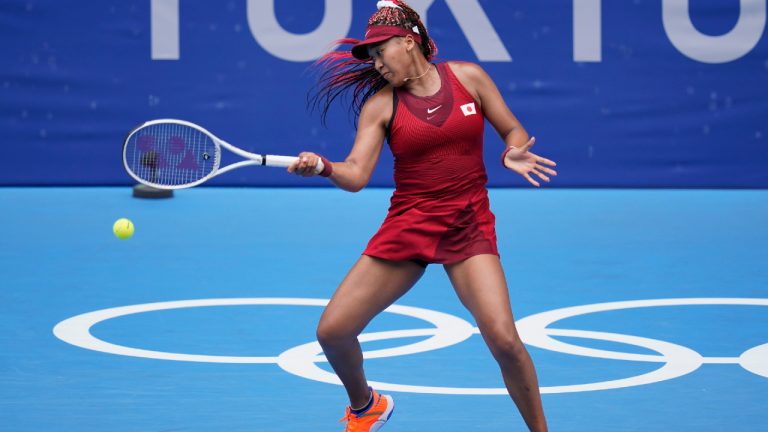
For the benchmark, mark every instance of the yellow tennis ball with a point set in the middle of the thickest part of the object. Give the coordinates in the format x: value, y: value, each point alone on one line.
x: 123, y: 228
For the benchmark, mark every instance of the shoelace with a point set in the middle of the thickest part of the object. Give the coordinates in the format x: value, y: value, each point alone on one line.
x: 350, y: 418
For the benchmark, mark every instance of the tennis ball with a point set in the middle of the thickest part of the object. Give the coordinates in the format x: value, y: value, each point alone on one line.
x: 123, y: 228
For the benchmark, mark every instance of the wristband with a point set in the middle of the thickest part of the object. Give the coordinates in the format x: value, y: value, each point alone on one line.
x: 504, y: 154
x: 327, y: 167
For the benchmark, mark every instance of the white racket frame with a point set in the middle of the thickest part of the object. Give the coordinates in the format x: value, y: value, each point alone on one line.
x: 252, y: 158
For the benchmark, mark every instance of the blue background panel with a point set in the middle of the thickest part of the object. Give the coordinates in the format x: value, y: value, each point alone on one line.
x: 640, y: 113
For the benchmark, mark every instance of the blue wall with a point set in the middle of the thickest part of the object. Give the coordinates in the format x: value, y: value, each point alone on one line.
x: 620, y: 93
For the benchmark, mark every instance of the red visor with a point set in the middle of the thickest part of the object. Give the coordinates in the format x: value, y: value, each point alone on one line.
x: 377, y: 34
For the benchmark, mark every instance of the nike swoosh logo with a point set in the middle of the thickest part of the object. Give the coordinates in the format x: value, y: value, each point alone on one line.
x: 430, y: 111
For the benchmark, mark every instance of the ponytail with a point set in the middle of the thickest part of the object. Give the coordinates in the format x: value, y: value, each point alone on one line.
x: 342, y: 72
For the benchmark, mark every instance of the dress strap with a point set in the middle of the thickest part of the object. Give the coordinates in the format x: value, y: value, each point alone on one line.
x: 394, y: 112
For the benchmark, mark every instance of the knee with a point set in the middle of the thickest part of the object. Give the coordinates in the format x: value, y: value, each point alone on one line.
x: 505, y: 345
x: 330, y: 334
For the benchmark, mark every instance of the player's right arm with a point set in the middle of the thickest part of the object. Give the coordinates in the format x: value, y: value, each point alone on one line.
x: 355, y: 171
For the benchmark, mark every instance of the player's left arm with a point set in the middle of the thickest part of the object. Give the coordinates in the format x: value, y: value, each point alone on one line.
x: 492, y: 104
x: 517, y: 156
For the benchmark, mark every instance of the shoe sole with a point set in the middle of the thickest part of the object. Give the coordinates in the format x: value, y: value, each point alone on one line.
x: 385, y: 415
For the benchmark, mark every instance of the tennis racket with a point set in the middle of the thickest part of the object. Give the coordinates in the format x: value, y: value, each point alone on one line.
x: 176, y: 154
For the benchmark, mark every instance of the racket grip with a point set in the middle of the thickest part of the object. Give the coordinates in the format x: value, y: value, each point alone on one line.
x: 286, y: 161
x: 278, y: 161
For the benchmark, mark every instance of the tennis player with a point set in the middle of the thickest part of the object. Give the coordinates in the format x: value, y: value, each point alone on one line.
x: 432, y: 115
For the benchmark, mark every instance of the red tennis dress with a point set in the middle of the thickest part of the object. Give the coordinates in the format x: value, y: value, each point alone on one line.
x: 439, y: 212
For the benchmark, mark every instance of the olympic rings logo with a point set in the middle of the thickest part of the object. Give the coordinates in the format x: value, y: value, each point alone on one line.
x: 535, y: 330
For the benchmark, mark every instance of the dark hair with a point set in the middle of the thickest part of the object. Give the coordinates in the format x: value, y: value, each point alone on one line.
x: 341, y: 72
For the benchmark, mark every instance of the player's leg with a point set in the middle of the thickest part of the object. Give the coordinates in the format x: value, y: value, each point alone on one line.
x: 479, y: 281
x: 370, y: 287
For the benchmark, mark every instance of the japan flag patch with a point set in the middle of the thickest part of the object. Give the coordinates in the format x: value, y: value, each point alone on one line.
x: 468, y: 109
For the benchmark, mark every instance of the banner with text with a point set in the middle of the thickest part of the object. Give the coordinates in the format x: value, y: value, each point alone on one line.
x: 630, y: 93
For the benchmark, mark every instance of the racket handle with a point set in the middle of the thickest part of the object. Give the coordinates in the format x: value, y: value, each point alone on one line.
x: 278, y: 161
x: 286, y: 161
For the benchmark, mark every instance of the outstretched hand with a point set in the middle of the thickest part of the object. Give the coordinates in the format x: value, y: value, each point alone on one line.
x: 525, y: 163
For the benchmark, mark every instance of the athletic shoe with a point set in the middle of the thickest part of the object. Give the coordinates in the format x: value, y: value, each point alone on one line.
x: 372, y: 419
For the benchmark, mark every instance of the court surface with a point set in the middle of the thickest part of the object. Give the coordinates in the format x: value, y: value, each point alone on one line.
x: 673, y: 334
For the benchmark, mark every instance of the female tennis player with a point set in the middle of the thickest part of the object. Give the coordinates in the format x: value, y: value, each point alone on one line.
x: 432, y: 115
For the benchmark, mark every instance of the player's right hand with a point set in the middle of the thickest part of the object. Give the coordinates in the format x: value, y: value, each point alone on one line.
x: 305, y: 165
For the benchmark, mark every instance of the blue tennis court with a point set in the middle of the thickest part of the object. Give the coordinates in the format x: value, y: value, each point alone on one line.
x: 638, y: 276
x: 644, y: 310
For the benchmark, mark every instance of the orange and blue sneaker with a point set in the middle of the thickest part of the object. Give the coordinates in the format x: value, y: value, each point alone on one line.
x: 371, y: 417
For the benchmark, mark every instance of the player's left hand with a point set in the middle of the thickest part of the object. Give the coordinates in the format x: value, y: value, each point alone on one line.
x: 525, y: 163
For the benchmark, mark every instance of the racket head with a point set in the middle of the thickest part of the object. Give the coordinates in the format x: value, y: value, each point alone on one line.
x: 171, y: 154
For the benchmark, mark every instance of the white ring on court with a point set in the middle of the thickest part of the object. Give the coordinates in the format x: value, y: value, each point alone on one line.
x: 449, y: 330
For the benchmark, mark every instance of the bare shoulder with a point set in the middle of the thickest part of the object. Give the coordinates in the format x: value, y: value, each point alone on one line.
x: 378, y: 107
x: 468, y: 71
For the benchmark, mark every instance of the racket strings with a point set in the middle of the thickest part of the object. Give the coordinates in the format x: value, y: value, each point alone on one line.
x: 171, y: 154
